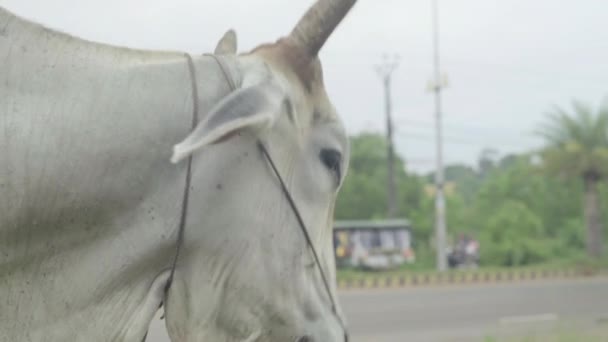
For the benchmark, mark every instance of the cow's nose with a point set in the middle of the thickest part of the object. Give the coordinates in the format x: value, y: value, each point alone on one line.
x: 304, y: 339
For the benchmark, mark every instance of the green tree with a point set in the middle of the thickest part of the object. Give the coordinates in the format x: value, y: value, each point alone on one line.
x: 577, y: 146
x: 364, y: 193
x: 514, y: 237
x: 486, y: 161
x: 553, y: 202
x: 465, y: 177
x: 457, y: 216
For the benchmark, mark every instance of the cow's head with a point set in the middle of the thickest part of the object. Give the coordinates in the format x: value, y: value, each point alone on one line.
x: 246, y: 272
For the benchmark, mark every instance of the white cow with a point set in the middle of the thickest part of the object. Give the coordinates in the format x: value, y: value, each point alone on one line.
x: 95, y: 146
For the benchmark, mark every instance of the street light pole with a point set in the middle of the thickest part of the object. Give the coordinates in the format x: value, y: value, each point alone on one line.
x: 440, y: 206
x: 385, y: 71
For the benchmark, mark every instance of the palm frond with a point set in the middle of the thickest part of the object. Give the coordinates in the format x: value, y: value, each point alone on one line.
x: 577, y: 142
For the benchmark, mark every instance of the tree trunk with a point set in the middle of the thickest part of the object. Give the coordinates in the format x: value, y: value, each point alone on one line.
x: 592, y: 217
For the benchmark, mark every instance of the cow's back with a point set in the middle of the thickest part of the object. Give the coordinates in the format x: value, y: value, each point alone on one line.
x: 76, y: 116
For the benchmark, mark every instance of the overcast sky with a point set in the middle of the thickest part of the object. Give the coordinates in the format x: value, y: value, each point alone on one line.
x: 507, y: 61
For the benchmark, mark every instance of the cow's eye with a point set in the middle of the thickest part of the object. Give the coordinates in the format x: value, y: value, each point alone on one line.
x: 332, y: 159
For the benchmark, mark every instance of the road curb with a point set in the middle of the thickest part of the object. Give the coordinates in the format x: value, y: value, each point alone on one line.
x: 371, y: 281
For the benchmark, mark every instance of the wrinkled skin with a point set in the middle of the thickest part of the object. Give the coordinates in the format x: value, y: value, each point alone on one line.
x: 268, y: 285
x: 91, y: 201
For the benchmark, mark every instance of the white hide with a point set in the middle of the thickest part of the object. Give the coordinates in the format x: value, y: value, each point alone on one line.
x: 90, y: 201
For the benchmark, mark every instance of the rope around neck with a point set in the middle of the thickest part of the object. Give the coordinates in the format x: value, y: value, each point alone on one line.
x: 184, y: 211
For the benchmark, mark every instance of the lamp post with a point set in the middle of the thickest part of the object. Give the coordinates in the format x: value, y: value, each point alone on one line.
x: 436, y: 86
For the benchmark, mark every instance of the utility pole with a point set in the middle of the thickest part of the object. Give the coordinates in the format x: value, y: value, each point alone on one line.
x: 436, y: 86
x: 385, y: 71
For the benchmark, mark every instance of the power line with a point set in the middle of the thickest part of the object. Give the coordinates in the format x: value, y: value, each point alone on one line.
x: 465, y: 139
x: 401, y: 121
x: 526, y: 72
x: 453, y: 140
x: 515, y: 133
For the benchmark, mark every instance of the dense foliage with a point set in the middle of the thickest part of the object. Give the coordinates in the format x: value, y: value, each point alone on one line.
x: 521, y: 213
x: 364, y: 193
x: 577, y: 147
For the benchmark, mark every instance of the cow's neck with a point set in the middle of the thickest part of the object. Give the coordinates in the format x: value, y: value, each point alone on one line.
x: 90, y: 201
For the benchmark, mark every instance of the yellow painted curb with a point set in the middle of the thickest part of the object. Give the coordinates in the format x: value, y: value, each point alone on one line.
x: 371, y: 281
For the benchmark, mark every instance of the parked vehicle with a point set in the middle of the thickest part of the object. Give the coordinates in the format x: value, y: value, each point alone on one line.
x: 373, y: 245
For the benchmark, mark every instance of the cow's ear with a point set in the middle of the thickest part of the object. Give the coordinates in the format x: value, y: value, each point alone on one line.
x: 228, y: 44
x: 254, y: 108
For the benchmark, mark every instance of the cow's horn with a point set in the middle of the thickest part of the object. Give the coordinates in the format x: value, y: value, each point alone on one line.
x: 319, y: 22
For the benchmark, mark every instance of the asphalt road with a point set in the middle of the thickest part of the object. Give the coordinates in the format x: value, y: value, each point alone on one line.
x: 465, y: 313
x: 470, y: 313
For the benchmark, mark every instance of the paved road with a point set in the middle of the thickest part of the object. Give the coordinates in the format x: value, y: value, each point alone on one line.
x: 465, y: 313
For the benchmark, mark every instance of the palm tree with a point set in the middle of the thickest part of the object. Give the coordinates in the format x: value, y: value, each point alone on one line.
x: 577, y: 146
